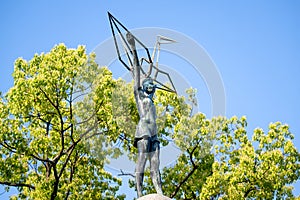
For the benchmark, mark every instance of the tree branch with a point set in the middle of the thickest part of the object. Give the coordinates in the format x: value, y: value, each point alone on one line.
x: 248, y: 191
x: 56, y: 106
x: 17, y: 184
x: 126, y: 174
x: 87, y: 120
x: 67, y: 160
x: 73, y: 167
x: 97, y: 133
x: 183, y: 181
x: 78, y: 91
x: 195, y: 167
x: 71, y: 113
x: 191, y: 155
x: 48, y: 98
x: 41, y: 159
x: 7, y: 146
x: 55, y: 184
x: 82, y: 94
x: 13, y: 150
x: 86, y: 132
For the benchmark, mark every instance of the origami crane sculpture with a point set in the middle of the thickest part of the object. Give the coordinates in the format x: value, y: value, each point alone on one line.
x: 119, y: 32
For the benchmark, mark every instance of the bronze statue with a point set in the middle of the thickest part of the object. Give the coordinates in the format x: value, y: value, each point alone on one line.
x: 146, y: 140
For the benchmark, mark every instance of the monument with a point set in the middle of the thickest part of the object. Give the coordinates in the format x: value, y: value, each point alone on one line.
x: 145, y: 84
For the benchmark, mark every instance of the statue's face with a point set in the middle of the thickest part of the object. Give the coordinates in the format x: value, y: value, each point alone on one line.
x: 148, y: 86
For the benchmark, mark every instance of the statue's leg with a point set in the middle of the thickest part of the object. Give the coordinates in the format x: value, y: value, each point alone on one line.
x: 154, y: 167
x: 140, y: 166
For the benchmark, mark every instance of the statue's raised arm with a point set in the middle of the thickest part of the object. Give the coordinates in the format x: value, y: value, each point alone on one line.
x: 136, y: 65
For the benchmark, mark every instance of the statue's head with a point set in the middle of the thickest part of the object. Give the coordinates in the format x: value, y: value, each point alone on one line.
x: 148, y: 86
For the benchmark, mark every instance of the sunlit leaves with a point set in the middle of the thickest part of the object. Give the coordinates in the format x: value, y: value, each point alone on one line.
x: 58, y: 101
x: 262, y: 167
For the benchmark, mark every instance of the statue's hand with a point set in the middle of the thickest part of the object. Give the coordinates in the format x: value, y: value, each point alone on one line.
x: 130, y: 39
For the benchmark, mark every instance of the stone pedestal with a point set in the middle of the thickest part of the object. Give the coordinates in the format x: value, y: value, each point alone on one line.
x: 154, y: 197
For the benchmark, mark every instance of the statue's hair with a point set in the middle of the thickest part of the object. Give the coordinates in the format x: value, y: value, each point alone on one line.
x: 146, y: 79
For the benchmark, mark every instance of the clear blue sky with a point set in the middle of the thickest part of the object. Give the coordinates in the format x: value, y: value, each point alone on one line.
x: 254, y: 44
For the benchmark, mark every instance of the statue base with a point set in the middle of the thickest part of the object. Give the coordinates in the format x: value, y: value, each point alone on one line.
x: 154, y: 197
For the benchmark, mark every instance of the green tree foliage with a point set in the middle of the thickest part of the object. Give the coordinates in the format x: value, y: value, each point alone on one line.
x: 46, y: 118
x: 220, y: 161
x: 260, y: 167
x: 65, y: 117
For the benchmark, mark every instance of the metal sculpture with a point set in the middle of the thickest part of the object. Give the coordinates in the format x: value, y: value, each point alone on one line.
x: 116, y: 27
x: 145, y: 84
